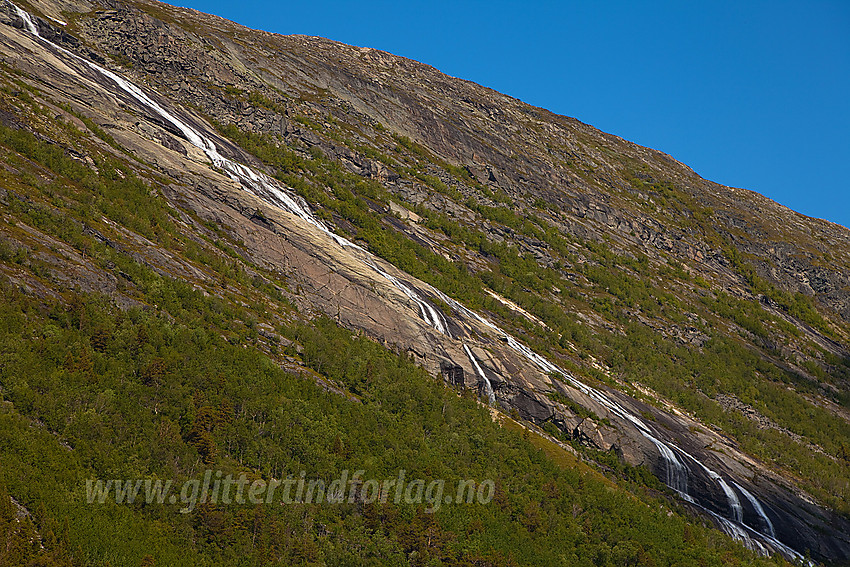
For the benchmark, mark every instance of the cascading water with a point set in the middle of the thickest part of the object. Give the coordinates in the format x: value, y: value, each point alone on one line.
x: 260, y: 184
x: 488, y: 388
x: 676, y: 471
x: 430, y: 315
x: 768, y: 525
x: 275, y: 194
x: 29, y: 24
x: 735, y: 508
x: 739, y: 532
x: 734, y: 503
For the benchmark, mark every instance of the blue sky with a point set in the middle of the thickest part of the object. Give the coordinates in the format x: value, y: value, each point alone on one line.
x: 748, y: 94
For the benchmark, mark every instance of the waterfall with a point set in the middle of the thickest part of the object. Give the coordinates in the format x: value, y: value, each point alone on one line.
x: 29, y: 24
x: 750, y: 538
x: 732, y: 498
x: 676, y: 472
x: 488, y: 388
x: 741, y: 534
x: 271, y: 191
x: 430, y: 315
x: 758, y: 508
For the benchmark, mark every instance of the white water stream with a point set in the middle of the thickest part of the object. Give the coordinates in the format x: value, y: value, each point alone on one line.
x: 488, y: 388
x: 758, y: 508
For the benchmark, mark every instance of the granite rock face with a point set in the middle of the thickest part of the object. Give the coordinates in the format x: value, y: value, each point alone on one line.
x: 586, y: 184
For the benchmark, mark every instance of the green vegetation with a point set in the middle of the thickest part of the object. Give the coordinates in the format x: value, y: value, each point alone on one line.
x: 416, y: 149
x: 110, y: 189
x: 139, y: 396
x: 795, y: 304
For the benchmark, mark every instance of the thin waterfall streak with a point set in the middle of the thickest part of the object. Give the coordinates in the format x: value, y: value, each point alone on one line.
x: 29, y: 24
x: 732, y: 498
x: 756, y: 504
x: 488, y: 388
x: 428, y: 313
x: 745, y: 534
x: 737, y: 511
x: 736, y: 531
x: 676, y: 472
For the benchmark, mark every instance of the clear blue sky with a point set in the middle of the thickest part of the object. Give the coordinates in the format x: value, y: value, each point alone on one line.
x: 749, y: 94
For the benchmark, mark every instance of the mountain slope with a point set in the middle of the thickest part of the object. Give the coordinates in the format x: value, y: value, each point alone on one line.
x: 619, y: 265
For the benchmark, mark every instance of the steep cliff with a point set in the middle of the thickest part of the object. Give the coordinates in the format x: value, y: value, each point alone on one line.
x: 600, y: 291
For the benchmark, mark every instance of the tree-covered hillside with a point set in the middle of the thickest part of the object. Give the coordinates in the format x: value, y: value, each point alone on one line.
x: 229, y: 253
